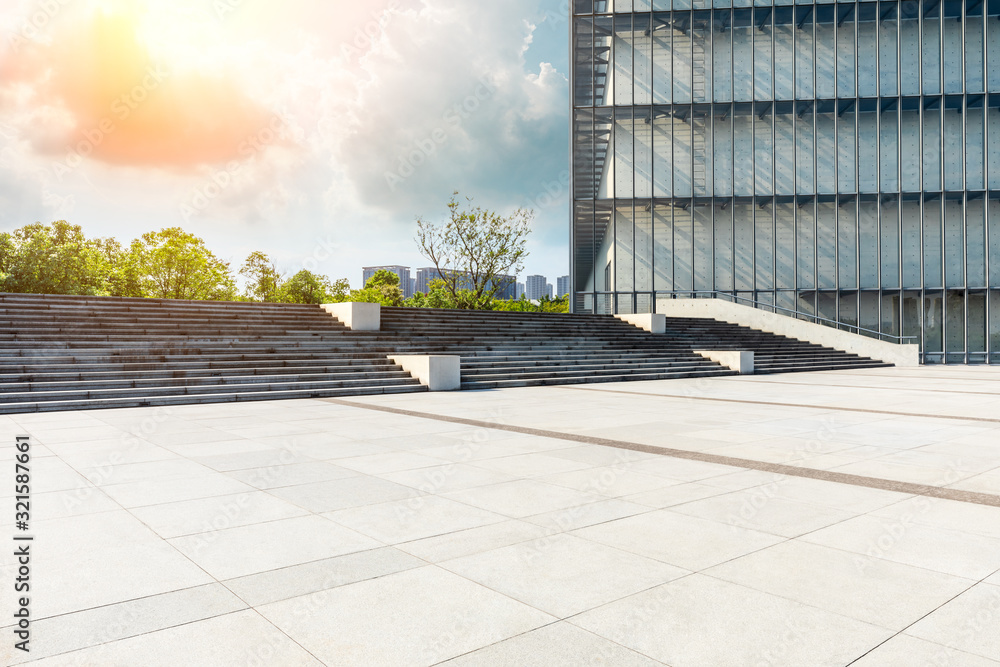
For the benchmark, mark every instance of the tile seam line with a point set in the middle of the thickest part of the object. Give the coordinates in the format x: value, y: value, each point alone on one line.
x: 827, y: 408
x: 748, y: 464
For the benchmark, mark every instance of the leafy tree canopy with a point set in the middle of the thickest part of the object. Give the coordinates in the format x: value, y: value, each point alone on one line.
x: 55, y: 259
x: 263, y: 278
x: 475, y: 249
x: 174, y: 264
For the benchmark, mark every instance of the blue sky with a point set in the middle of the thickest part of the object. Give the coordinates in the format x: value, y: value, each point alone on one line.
x: 315, y: 132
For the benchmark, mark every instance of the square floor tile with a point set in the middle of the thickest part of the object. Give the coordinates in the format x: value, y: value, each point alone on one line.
x: 320, y: 575
x: 237, y: 552
x: 967, y: 623
x: 879, y: 592
x: 556, y: 645
x: 413, y: 519
x: 906, y: 651
x: 446, y: 478
x: 941, y: 513
x: 207, y: 515
x: 343, y: 493
x: 563, y: 575
x: 967, y: 555
x: 273, y: 477
x: 522, y: 498
x: 581, y: 516
x: 101, y: 559
x: 108, y: 623
x: 613, y: 482
x: 159, y: 491
x: 531, y: 465
x: 389, y: 462
x: 675, y: 494
x: 474, y: 540
x: 699, y: 621
x: 242, y: 638
x: 684, y: 541
x: 758, y: 509
x: 418, y: 617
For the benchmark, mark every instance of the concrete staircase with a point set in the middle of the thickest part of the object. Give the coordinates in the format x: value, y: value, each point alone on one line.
x: 525, y: 349
x: 74, y: 353
x: 71, y: 353
x: 531, y: 349
x: 772, y: 353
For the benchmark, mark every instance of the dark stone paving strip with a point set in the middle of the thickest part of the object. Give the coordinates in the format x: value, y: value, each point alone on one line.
x: 789, y: 405
x: 777, y: 468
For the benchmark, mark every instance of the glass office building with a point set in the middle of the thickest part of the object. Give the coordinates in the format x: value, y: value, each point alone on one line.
x: 834, y: 159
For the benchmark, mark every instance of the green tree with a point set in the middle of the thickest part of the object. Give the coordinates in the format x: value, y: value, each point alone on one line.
x: 53, y: 259
x: 308, y: 287
x: 173, y: 264
x: 383, y: 288
x: 263, y: 278
x: 474, y: 250
x: 7, y: 258
x: 123, y: 272
x: 523, y: 305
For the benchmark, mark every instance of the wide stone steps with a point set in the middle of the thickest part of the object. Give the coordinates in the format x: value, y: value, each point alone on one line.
x: 587, y: 378
x: 59, y: 353
x: 228, y: 396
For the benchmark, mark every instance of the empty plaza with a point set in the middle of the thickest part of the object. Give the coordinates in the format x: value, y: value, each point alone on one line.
x: 839, y: 518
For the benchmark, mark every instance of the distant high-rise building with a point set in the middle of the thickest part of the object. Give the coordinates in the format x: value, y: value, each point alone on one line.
x: 562, y: 285
x: 423, y: 279
x: 548, y: 289
x: 413, y: 286
x: 535, y: 287
x: 508, y: 288
x: 520, y: 290
x: 402, y: 271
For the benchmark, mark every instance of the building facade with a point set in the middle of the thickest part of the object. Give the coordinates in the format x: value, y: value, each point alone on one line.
x: 507, y: 290
x: 835, y: 159
x: 562, y: 286
x: 536, y: 287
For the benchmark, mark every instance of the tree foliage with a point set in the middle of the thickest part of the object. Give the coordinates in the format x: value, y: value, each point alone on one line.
x: 382, y: 288
x: 171, y: 263
x: 54, y: 259
x: 474, y: 250
x: 263, y: 278
x: 174, y: 264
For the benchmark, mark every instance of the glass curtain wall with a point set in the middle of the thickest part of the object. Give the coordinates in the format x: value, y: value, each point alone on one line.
x: 839, y: 159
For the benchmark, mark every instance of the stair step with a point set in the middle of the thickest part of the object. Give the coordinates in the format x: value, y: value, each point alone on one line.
x: 71, y: 353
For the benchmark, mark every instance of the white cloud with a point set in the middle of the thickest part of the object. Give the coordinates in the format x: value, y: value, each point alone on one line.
x: 446, y: 101
x: 414, y: 96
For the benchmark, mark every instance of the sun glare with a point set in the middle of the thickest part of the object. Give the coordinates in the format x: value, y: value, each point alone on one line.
x: 181, y: 34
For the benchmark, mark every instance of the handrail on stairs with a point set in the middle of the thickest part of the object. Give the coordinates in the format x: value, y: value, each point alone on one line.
x: 716, y: 294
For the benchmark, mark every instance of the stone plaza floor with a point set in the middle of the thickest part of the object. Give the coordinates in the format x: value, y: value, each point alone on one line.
x: 840, y: 518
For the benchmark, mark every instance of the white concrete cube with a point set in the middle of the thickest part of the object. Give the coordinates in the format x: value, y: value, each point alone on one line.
x: 435, y: 371
x: 357, y: 316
